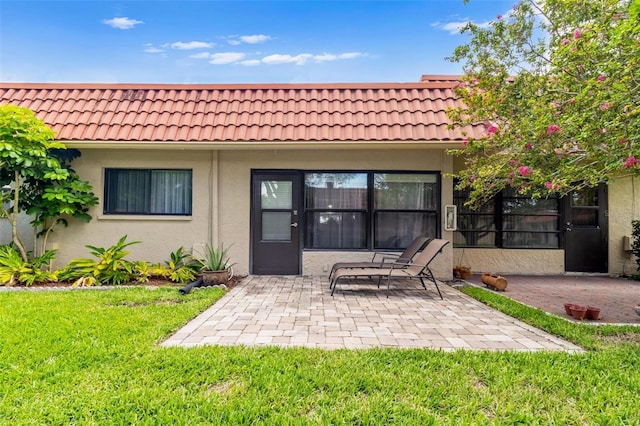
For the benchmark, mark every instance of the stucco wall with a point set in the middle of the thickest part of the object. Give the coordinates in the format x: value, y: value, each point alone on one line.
x: 511, y: 261
x: 158, y: 235
x: 234, y: 185
x: 624, y: 206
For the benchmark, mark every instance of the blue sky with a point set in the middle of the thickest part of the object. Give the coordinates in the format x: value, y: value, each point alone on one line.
x: 236, y: 41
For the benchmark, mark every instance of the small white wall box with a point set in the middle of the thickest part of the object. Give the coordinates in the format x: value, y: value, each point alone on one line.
x: 450, y: 218
x: 626, y: 243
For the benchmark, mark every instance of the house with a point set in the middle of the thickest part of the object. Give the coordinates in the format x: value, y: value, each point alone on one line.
x: 299, y: 176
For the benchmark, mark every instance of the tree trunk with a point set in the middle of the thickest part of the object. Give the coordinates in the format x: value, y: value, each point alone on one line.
x: 14, y: 219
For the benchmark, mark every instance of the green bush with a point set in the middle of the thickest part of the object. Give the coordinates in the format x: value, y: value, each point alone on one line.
x: 180, y: 268
x: 109, y: 267
x: 14, y: 270
x: 635, y: 245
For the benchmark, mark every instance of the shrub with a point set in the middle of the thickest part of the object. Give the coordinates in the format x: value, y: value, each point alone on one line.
x: 15, y: 270
x: 180, y: 268
x: 109, y: 267
x: 635, y: 245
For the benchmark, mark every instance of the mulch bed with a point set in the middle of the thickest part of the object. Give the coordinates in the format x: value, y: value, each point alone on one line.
x: 153, y: 282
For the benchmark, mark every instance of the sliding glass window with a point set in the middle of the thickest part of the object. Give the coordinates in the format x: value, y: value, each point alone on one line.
x: 148, y: 192
x: 369, y: 210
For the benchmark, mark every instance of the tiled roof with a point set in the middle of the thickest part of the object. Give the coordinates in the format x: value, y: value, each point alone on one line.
x: 247, y: 112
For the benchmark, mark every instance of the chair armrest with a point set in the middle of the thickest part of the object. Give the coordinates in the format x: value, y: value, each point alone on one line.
x: 384, y: 254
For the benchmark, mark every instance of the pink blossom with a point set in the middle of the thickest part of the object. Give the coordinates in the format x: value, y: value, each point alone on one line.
x: 499, y: 17
x: 630, y: 162
x: 525, y: 171
x: 472, y: 179
x: 465, y: 142
x: 513, y: 162
x: 605, y: 106
x: 528, y: 147
x: 601, y: 77
x: 622, y: 140
x: 554, y: 128
x: 511, y: 175
x: 564, y: 41
x: 577, y: 33
x: 555, y: 104
x: 551, y: 186
x: 492, y: 129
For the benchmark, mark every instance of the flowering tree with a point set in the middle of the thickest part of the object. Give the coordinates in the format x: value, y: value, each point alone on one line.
x: 557, y: 84
x: 36, y: 171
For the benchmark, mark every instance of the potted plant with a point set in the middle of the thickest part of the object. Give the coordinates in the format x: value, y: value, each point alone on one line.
x: 216, y: 265
x: 461, y: 271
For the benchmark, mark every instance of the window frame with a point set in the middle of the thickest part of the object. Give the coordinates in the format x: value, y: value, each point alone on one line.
x: 149, y: 172
x: 370, y: 212
x: 499, y: 216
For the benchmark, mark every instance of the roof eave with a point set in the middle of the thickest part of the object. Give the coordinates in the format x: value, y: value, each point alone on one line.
x: 257, y: 145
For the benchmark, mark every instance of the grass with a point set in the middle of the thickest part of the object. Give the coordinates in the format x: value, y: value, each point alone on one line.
x: 92, y: 357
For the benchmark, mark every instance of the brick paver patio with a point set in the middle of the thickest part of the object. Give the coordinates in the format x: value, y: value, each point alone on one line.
x: 299, y: 311
x: 616, y: 297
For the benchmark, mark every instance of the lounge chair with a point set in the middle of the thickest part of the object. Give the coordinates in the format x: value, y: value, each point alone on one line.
x: 384, y: 260
x: 417, y: 268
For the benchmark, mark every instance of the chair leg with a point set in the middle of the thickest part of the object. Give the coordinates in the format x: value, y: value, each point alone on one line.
x: 422, y: 281
x: 429, y: 275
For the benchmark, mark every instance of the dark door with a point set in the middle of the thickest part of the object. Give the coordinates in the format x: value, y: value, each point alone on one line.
x: 275, y: 224
x: 585, y: 231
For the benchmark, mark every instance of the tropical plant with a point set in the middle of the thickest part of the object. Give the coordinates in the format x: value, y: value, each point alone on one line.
x: 180, y: 268
x: 108, y: 267
x: 15, y: 270
x: 37, y: 171
x: 215, y: 258
x: 635, y: 244
x: 555, y: 83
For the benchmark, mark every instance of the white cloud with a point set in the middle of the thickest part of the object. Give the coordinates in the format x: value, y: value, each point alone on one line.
x: 454, y: 27
x: 303, y: 58
x: 152, y: 49
x: 123, y: 23
x: 226, y: 57
x: 254, y: 39
x: 191, y: 45
x: 201, y: 55
x: 331, y: 57
x: 234, y: 42
x: 250, y: 62
x: 300, y: 59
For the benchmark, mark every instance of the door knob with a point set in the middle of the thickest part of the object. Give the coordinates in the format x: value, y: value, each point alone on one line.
x: 294, y: 225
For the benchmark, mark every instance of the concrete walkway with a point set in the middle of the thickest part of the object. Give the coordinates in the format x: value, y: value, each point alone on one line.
x: 299, y: 311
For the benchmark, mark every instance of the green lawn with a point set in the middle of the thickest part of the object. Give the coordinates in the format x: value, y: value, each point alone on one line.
x: 92, y: 357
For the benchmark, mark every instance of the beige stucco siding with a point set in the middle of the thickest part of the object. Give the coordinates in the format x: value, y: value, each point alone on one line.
x: 235, y: 179
x: 158, y: 235
x: 222, y: 199
x: 222, y: 203
x: 511, y: 261
x: 624, y: 206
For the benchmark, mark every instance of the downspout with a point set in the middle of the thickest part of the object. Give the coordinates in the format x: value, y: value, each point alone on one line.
x: 213, y: 233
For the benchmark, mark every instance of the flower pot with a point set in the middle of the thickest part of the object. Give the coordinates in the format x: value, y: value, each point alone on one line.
x: 215, y: 277
x: 462, y: 272
x: 567, y: 308
x: 578, y: 312
x: 592, y: 313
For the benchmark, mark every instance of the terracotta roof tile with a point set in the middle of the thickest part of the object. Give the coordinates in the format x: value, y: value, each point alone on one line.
x: 251, y: 112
